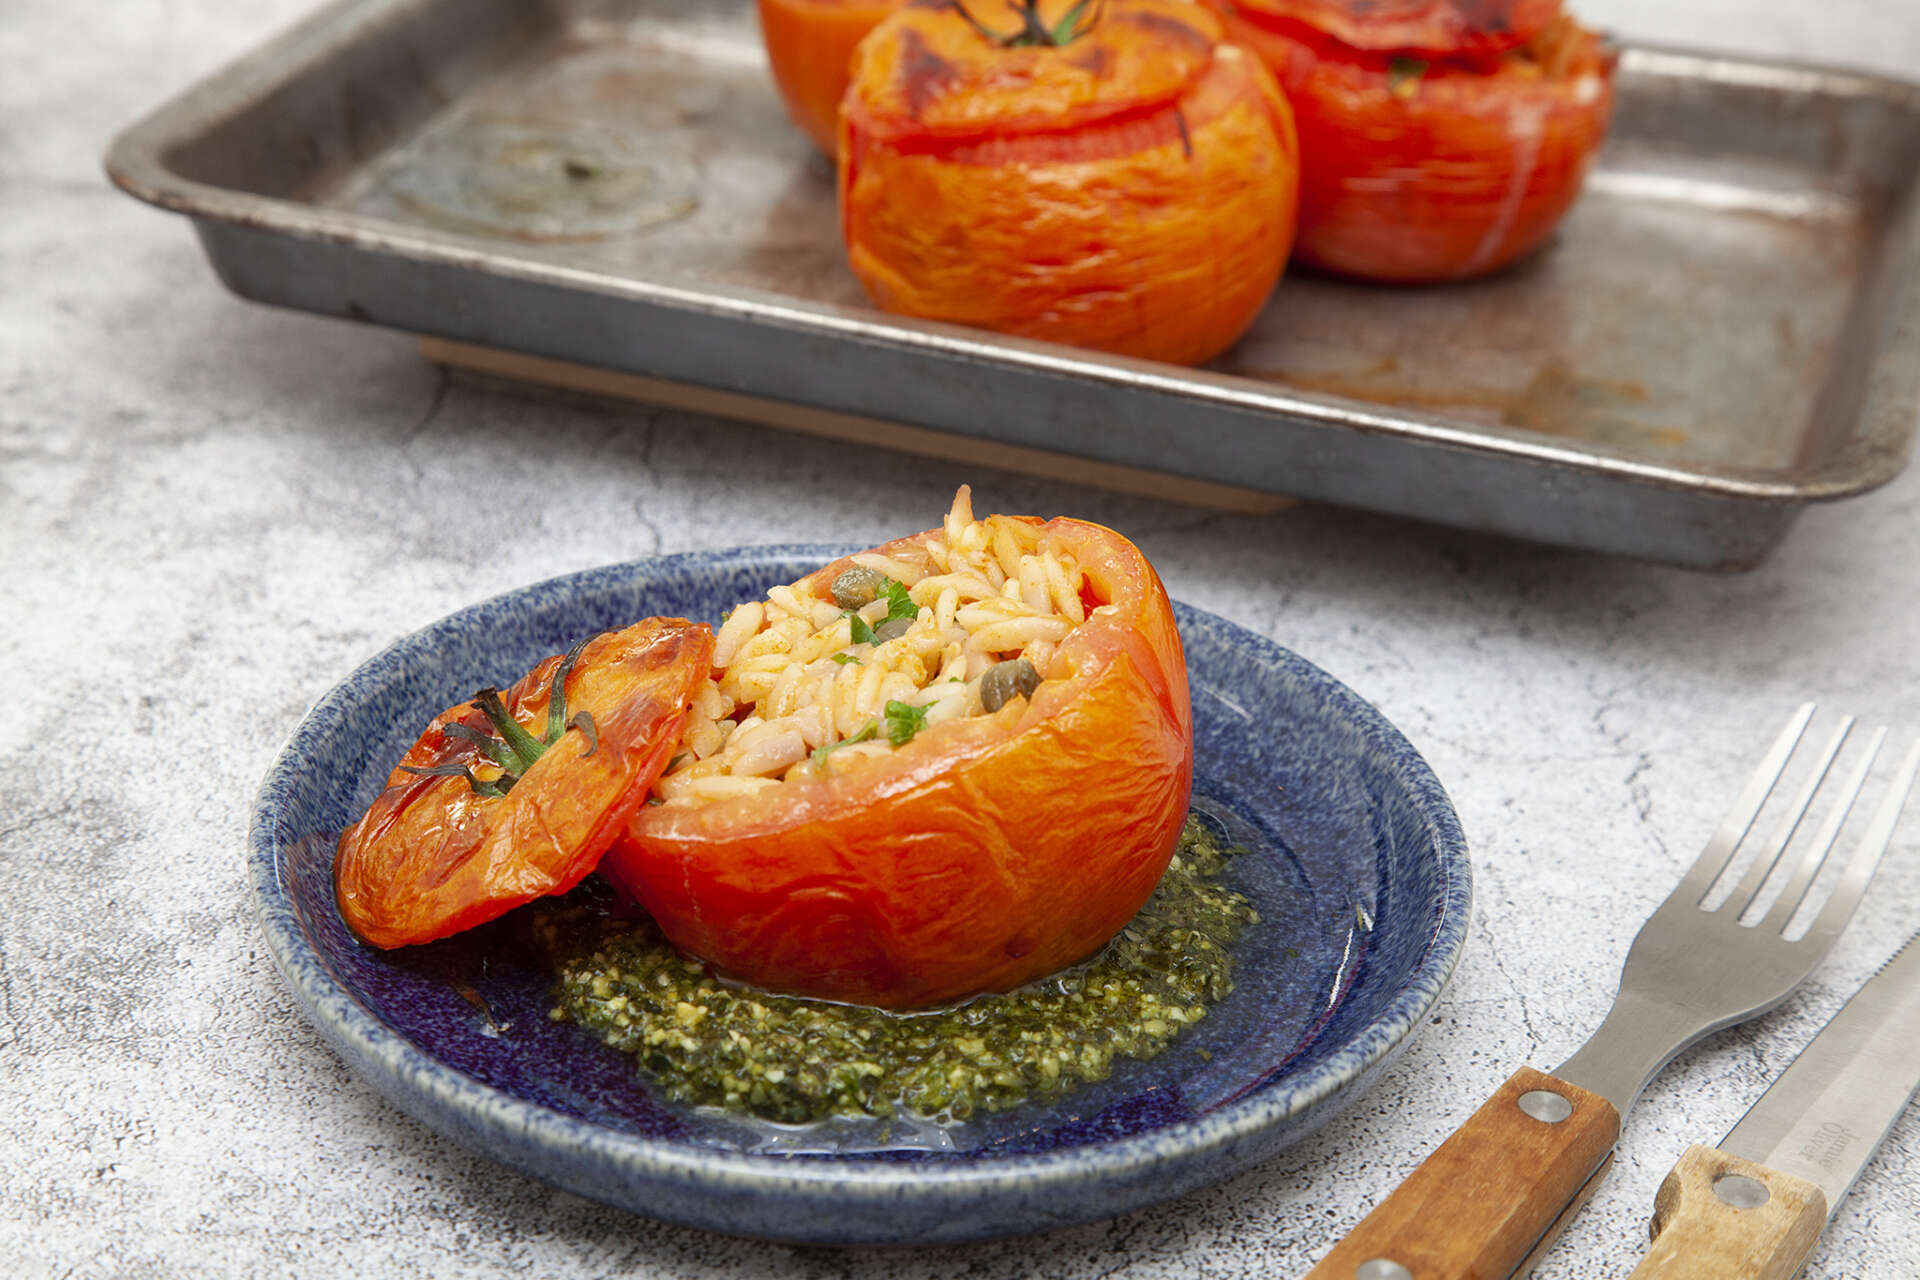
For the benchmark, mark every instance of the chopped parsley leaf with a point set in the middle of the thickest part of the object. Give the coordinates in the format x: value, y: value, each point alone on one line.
x: 903, y: 721
x: 826, y: 749
x: 899, y: 603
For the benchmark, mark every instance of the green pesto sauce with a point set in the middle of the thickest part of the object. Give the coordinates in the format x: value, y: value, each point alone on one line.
x: 789, y: 1060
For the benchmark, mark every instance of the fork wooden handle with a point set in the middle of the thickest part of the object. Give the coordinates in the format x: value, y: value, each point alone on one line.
x: 1491, y: 1197
x: 1707, y: 1228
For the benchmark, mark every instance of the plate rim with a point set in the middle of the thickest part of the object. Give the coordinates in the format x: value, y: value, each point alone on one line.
x: 367, y: 1044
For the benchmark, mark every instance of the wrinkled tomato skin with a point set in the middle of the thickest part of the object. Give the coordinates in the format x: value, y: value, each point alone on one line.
x: 985, y: 853
x: 1131, y: 192
x: 1457, y: 175
x: 1416, y: 28
x: 809, y: 45
x: 432, y: 857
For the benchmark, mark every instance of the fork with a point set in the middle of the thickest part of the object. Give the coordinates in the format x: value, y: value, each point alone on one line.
x: 1494, y: 1196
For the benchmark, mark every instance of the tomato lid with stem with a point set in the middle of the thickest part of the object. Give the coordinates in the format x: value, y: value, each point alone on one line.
x: 969, y: 69
x: 484, y: 814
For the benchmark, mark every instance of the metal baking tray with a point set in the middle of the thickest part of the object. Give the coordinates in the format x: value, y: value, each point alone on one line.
x: 1726, y: 328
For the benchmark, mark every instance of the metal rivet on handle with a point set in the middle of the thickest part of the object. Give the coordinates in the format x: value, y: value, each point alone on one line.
x: 1741, y: 1191
x: 1545, y: 1106
x: 1381, y: 1269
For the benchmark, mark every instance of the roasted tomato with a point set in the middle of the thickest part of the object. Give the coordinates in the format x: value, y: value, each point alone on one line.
x: 482, y: 814
x: 1439, y: 139
x: 809, y: 45
x: 988, y: 848
x: 1109, y: 175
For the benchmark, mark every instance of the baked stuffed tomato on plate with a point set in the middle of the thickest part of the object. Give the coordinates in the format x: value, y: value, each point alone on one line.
x: 1351, y: 858
x: 949, y: 765
x: 942, y: 767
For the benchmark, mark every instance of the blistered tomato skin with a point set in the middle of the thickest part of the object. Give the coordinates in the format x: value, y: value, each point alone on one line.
x: 809, y: 46
x: 433, y: 857
x: 984, y: 853
x: 1429, y: 166
x: 1132, y: 190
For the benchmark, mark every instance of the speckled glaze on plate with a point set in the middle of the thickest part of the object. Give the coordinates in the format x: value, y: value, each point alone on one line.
x: 1356, y: 862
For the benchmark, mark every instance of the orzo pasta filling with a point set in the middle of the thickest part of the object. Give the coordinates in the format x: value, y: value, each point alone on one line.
x: 810, y: 682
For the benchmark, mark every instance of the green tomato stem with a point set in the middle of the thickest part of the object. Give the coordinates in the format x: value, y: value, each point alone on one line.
x: 496, y: 750
x: 557, y: 722
x: 523, y: 744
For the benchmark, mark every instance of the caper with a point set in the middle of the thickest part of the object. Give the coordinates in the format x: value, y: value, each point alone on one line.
x: 891, y: 629
x: 857, y: 586
x: 1005, y: 679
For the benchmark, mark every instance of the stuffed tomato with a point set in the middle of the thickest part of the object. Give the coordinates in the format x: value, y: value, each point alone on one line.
x: 515, y: 795
x: 1439, y: 140
x: 809, y: 46
x: 947, y: 766
x: 1109, y: 175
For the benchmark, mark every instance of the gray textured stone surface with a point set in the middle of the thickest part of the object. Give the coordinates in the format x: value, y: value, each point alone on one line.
x: 209, y: 512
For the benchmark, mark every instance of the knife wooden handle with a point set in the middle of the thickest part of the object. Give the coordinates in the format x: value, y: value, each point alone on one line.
x: 1719, y: 1217
x: 1484, y: 1205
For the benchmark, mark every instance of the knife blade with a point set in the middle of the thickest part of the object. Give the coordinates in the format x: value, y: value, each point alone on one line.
x: 1755, y: 1205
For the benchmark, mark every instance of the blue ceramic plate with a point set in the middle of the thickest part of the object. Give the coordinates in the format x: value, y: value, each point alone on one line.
x: 1357, y: 866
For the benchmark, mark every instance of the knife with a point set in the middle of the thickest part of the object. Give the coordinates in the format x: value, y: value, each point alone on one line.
x: 1754, y: 1207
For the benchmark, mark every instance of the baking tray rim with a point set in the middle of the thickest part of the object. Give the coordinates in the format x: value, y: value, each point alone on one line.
x: 135, y: 161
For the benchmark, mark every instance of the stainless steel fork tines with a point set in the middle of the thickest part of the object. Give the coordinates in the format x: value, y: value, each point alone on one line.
x: 1695, y: 969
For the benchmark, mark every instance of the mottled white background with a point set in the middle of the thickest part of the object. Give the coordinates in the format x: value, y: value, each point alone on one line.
x: 209, y: 512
